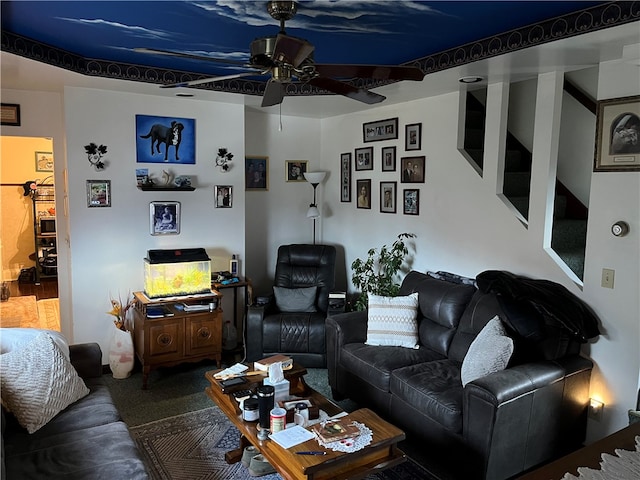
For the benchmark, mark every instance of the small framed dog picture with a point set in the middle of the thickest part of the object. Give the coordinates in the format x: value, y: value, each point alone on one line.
x: 167, y: 140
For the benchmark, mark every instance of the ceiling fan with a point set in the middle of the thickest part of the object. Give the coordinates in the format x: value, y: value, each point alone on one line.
x: 286, y: 58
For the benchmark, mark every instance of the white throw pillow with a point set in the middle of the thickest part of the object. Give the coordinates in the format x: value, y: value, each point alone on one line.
x: 38, y: 382
x: 15, y: 338
x: 392, y: 321
x: 488, y: 353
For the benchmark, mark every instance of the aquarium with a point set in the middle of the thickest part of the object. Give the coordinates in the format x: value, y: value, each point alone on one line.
x: 174, y: 273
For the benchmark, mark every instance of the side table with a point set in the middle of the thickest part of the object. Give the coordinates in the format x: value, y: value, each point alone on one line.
x: 235, y: 286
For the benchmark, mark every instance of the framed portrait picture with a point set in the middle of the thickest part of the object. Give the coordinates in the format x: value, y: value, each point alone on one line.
x: 345, y: 177
x: 256, y: 172
x: 413, y: 136
x: 388, y: 197
x: 388, y: 159
x: 412, y: 169
x: 294, y: 170
x: 224, y: 196
x: 164, y: 218
x: 618, y: 135
x: 44, y: 161
x: 411, y: 201
x: 380, y: 130
x: 98, y: 193
x: 363, y: 189
x: 169, y: 140
x: 364, y: 158
x: 10, y: 114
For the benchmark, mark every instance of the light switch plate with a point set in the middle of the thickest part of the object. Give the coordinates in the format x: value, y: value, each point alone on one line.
x: 607, y: 277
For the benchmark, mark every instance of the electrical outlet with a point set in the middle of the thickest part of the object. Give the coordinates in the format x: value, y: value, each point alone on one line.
x: 607, y: 277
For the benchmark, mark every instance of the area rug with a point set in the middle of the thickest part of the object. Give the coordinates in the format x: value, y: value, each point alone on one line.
x: 192, y: 445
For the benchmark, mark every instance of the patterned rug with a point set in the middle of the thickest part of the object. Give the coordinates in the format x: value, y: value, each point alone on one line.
x: 192, y: 445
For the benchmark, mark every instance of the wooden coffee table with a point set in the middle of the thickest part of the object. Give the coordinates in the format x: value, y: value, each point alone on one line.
x: 381, y: 453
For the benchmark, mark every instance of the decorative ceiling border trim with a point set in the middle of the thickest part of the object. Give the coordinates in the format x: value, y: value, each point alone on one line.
x: 600, y: 17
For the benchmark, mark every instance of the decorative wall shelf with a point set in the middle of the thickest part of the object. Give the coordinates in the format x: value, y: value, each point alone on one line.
x: 165, y: 189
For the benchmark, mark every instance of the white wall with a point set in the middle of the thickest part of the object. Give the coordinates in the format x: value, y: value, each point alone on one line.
x: 109, y: 244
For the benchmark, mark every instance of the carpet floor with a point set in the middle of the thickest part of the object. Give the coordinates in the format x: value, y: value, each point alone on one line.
x: 192, y: 445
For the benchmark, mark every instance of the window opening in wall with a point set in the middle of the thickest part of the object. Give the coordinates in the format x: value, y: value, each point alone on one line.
x: 516, y: 186
x: 475, y: 114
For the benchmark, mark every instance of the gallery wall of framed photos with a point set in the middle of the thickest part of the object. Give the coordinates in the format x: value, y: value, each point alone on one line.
x: 357, y: 169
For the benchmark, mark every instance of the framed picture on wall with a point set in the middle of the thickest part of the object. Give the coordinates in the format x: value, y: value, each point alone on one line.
x: 363, y: 188
x: 98, y: 193
x: 618, y: 135
x: 411, y: 201
x: 256, y: 171
x: 164, y: 218
x: 165, y: 140
x: 364, y: 158
x: 380, y: 130
x: 224, y: 196
x: 388, y: 159
x: 44, y: 161
x: 388, y: 197
x: 413, y: 136
x: 345, y: 177
x: 412, y: 169
x: 294, y: 170
x: 10, y: 114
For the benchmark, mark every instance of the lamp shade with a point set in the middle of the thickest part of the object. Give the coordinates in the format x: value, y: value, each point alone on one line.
x: 314, y: 177
x: 313, y: 212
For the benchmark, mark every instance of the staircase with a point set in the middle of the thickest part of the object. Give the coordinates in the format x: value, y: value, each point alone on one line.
x: 569, y: 235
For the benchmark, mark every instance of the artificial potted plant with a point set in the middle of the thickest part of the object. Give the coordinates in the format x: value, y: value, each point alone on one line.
x: 378, y: 274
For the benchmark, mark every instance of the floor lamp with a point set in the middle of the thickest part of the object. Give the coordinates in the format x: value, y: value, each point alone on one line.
x: 314, y: 178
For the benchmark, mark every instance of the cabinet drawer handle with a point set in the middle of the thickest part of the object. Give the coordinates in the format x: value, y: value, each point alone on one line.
x: 204, y: 332
x: 165, y: 339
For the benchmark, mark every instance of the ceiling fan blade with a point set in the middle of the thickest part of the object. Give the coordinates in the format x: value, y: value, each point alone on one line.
x: 291, y: 50
x: 191, y: 56
x: 380, y: 72
x: 341, y: 88
x: 273, y: 93
x: 212, y: 79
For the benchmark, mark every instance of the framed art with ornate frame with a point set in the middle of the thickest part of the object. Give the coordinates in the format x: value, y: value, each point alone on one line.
x: 164, y: 218
x: 345, y: 177
x: 380, y: 130
x: 411, y: 201
x: 364, y: 158
x: 388, y: 159
x: 618, y: 135
x: 413, y: 136
x: 98, y: 193
x: 363, y: 189
x: 388, y: 197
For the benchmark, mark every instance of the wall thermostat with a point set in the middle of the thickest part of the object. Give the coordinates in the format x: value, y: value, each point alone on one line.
x: 620, y: 229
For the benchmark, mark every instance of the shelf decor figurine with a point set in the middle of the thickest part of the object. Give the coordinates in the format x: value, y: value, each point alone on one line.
x: 223, y: 158
x: 95, y: 154
x: 121, y: 352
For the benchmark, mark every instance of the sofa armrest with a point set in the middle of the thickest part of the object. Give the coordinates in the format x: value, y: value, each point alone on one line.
x: 342, y: 329
x: 86, y: 358
x: 506, y: 413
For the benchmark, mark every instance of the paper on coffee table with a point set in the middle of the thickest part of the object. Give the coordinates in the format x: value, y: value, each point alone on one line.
x: 291, y: 436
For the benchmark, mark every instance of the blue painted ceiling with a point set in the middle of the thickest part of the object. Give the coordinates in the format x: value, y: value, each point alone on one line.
x: 342, y: 31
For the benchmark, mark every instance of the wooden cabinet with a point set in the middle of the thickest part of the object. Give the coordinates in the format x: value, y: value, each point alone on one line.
x: 178, y: 338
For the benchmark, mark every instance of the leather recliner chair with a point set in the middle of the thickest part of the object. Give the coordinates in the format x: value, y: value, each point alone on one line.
x: 300, y: 335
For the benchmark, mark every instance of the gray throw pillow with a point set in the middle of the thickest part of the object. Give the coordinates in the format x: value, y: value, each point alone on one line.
x: 488, y: 353
x: 296, y: 299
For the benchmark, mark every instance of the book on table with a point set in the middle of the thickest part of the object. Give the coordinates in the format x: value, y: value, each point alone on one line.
x: 334, y: 430
x: 263, y: 365
x: 158, y: 312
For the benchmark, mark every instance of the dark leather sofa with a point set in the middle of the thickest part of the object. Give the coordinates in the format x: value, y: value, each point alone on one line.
x: 87, y: 440
x: 496, y: 426
x: 300, y: 335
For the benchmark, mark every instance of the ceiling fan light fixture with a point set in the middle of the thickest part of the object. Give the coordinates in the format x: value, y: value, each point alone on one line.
x: 471, y: 79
